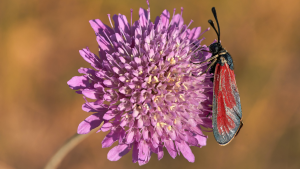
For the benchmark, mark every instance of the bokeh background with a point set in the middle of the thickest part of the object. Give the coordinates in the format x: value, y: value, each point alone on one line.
x: 39, y: 43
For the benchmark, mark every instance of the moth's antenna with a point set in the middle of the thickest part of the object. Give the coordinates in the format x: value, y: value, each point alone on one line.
x: 212, y: 25
x: 216, y: 18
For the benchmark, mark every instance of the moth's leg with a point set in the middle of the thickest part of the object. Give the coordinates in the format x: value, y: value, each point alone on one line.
x: 206, y: 51
x: 209, y: 112
x: 207, y: 60
x: 210, y: 65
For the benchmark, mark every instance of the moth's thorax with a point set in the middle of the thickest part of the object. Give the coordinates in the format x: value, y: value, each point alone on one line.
x: 223, y: 60
x: 222, y: 57
x: 215, y: 48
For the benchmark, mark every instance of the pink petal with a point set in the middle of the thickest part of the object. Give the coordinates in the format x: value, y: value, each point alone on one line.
x: 135, y: 153
x: 140, y: 123
x: 109, y: 83
x: 109, y: 115
x: 89, y: 93
x: 93, y: 107
x: 143, y: 17
x: 145, y: 134
x: 138, y: 60
x: 78, y: 82
x: 111, y: 137
x: 186, y: 151
x: 99, y: 27
x: 90, y: 57
x: 123, y: 23
x: 117, y: 70
x: 201, y: 140
x: 155, y: 140
x: 90, y: 123
x: 160, y: 153
x: 103, y: 43
x: 129, y: 137
x: 144, y: 153
x: 86, y: 71
x: 169, y: 144
x: 165, y: 17
x: 177, y: 20
x: 117, y: 152
x: 195, y: 33
x: 119, y: 38
x: 106, y: 126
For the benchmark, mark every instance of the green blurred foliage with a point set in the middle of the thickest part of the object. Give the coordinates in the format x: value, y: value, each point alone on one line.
x: 39, y: 43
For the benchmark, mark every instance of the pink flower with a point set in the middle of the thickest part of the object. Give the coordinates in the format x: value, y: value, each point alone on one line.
x: 145, y: 88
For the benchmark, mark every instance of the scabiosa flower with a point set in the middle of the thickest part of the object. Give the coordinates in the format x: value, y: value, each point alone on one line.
x: 145, y: 87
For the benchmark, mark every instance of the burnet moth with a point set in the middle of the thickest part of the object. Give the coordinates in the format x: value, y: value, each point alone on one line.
x: 226, y: 108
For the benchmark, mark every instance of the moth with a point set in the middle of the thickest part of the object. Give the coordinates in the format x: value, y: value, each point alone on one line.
x: 226, y: 108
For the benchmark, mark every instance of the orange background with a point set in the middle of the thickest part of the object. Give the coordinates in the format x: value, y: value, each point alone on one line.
x: 39, y: 43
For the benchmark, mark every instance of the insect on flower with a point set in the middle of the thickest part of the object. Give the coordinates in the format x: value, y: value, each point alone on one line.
x: 227, y: 111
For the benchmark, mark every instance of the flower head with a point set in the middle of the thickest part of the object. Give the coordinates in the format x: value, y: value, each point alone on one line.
x: 145, y: 88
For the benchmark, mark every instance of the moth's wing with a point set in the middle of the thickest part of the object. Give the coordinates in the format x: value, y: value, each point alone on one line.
x: 227, y: 111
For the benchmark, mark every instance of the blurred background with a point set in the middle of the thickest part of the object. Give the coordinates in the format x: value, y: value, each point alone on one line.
x: 39, y: 43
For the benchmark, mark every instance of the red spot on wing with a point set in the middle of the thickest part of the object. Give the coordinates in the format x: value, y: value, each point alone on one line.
x: 224, y: 95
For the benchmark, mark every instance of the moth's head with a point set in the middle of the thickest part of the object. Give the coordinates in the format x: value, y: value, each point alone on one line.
x: 215, y: 48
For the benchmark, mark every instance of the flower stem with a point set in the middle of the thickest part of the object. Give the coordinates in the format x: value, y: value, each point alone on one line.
x: 57, y: 158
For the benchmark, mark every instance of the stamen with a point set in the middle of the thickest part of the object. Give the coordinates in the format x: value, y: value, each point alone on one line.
x: 90, y: 77
x: 123, y: 34
x: 110, y: 20
x: 174, y: 12
x: 108, y: 39
x: 148, y: 10
x: 190, y: 23
x: 207, y: 91
x: 168, y: 75
x: 173, y: 61
x: 187, y: 26
x: 125, y: 50
x: 195, y: 50
x: 170, y: 128
x: 131, y: 10
x: 155, y: 79
x: 146, y: 106
x: 171, y: 107
x: 181, y: 10
x: 149, y: 79
x: 162, y: 124
x: 194, y: 43
x: 180, y: 96
x: 204, y: 31
x: 184, y: 86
